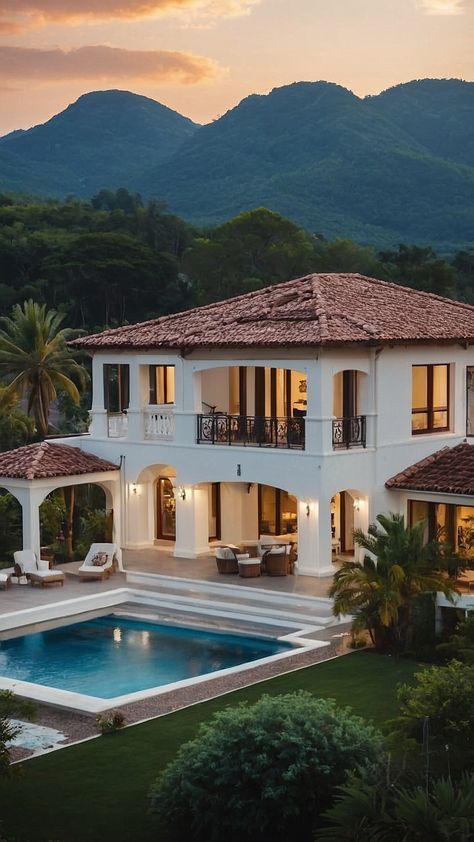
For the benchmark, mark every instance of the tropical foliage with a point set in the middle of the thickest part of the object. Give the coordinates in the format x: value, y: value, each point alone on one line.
x: 263, y: 771
x: 87, y: 259
x: 460, y: 644
x: 36, y: 361
x: 11, y: 706
x: 442, y: 700
x: 365, y: 812
x: 382, y: 590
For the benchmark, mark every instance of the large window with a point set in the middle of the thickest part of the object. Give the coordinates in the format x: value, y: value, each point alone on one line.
x: 116, y: 387
x: 430, y: 398
x: 445, y: 522
x: 161, y: 384
x: 277, y: 511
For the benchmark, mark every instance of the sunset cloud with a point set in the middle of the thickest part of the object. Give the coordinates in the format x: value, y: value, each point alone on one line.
x: 443, y: 7
x: 22, y: 13
x: 101, y: 63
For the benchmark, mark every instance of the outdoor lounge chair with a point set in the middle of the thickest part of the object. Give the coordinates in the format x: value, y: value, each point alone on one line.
x: 276, y: 561
x: 227, y: 559
x: 36, y: 570
x: 99, y: 562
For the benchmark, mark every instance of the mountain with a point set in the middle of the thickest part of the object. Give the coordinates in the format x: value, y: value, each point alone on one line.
x: 437, y: 113
x: 104, y: 139
x: 394, y: 167
x: 335, y: 163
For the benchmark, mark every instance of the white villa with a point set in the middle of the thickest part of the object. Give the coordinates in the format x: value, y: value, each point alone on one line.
x: 300, y: 410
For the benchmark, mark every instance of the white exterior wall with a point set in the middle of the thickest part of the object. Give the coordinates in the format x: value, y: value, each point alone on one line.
x: 314, y: 475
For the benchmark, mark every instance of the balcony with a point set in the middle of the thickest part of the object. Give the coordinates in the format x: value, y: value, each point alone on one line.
x: 158, y: 423
x: 117, y: 425
x: 349, y: 432
x: 251, y: 431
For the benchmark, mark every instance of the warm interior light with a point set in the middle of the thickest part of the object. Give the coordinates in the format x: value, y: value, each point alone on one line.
x: 182, y: 492
x: 357, y: 504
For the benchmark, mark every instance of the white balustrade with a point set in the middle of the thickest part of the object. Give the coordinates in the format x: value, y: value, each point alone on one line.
x: 159, y: 423
x: 117, y: 425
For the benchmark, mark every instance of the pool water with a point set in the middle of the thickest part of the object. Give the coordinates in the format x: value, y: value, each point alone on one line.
x: 112, y: 656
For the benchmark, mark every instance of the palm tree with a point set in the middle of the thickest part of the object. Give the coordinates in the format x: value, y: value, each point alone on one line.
x: 16, y: 427
x: 380, y: 591
x: 36, y: 361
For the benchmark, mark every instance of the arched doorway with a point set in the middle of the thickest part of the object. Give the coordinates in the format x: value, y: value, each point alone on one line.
x: 74, y: 517
x: 348, y: 512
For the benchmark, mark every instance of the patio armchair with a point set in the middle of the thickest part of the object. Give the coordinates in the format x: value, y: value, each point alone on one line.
x: 227, y: 559
x: 276, y: 561
x: 36, y: 570
x: 99, y: 562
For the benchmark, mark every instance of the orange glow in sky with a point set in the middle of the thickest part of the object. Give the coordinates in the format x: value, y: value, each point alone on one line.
x: 201, y: 57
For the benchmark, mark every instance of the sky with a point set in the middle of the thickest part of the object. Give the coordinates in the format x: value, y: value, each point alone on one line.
x: 201, y: 57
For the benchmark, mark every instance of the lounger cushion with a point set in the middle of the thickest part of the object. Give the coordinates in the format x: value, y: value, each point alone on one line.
x: 46, y: 574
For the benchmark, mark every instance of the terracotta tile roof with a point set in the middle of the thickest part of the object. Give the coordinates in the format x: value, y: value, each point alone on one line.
x: 38, y: 461
x: 330, y: 309
x: 450, y: 470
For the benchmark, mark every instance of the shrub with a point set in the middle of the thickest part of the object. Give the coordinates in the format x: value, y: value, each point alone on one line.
x: 111, y: 721
x: 262, y: 771
x: 10, y: 706
x: 443, y: 697
x: 460, y: 644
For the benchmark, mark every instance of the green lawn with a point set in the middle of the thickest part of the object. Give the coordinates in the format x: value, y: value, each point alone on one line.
x: 97, y: 790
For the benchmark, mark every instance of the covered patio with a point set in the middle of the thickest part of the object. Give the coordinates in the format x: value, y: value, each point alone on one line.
x: 32, y: 472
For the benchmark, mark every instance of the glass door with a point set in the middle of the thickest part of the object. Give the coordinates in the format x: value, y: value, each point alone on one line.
x: 166, y: 510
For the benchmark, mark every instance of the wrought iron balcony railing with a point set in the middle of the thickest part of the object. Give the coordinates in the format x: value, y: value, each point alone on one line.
x: 349, y: 432
x: 247, y: 430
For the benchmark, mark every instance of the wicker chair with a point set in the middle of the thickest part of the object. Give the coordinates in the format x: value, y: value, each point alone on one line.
x: 276, y: 561
x: 227, y: 559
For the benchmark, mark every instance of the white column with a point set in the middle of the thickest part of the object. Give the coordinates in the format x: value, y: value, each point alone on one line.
x: 98, y: 413
x: 137, y: 515
x: 31, y: 499
x: 115, y: 494
x: 192, y: 521
x: 319, y: 408
x: 135, y: 430
x: 314, y: 538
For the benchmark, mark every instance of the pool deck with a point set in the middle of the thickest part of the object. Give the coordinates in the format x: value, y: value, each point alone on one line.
x: 159, y: 561
x: 199, y: 580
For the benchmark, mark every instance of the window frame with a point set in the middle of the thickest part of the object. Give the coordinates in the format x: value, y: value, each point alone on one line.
x: 430, y: 409
x: 153, y: 391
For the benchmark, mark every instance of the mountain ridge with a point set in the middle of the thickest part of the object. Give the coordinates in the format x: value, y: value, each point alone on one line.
x: 394, y: 166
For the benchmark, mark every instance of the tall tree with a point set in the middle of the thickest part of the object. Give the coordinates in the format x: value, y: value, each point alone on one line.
x: 380, y: 591
x: 36, y: 361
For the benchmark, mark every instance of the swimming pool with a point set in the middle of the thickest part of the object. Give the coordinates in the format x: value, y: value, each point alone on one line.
x: 112, y: 656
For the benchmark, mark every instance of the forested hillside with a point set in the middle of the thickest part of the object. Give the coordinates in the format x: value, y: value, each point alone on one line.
x: 115, y: 259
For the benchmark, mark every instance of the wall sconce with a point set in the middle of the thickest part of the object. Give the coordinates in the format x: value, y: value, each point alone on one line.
x: 249, y: 487
x: 134, y: 488
x: 357, y: 504
x: 181, y: 492
x: 308, y: 510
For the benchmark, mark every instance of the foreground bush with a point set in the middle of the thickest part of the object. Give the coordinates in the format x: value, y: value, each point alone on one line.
x: 263, y: 771
x: 367, y: 813
x: 11, y: 706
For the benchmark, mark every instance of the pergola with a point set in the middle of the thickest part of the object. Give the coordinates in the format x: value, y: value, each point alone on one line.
x: 32, y: 472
